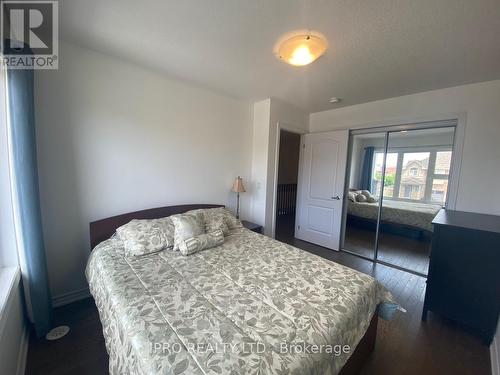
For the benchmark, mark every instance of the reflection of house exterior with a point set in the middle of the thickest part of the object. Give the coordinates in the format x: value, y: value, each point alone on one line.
x: 414, y: 175
x: 440, y: 185
x: 413, y: 178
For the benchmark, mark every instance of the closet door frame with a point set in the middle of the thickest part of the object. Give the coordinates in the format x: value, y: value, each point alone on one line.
x: 457, y: 121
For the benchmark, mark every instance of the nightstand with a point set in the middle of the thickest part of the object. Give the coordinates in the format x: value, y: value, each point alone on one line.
x: 252, y: 226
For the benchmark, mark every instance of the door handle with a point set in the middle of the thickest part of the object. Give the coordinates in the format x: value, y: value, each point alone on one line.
x: 337, y: 198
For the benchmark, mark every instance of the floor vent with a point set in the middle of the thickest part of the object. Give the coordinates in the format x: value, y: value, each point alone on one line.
x: 57, y: 333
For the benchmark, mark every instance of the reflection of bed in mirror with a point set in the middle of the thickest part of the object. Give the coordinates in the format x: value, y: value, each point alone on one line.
x: 404, y: 218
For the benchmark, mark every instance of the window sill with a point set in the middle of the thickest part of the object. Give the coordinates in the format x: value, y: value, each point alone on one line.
x: 9, y: 280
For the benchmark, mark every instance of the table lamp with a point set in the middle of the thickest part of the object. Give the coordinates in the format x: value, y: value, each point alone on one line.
x: 238, y: 188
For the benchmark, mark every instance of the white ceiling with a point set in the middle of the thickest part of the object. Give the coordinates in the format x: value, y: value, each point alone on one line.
x: 378, y: 48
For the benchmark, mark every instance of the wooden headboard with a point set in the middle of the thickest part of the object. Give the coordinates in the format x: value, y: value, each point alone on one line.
x: 103, y: 229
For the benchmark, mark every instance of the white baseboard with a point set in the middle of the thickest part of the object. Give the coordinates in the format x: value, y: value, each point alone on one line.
x: 64, y: 299
x: 495, y: 354
x: 23, y: 351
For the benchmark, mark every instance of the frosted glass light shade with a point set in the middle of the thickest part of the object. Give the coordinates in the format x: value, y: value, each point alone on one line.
x: 302, y: 49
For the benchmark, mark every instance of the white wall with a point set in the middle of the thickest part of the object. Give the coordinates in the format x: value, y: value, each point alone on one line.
x: 114, y: 137
x: 260, y: 150
x: 479, y: 102
x: 13, y: 325
x: 267, y: 114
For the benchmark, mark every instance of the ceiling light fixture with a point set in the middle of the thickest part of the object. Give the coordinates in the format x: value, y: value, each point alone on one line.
x: 301, y: 49
x: 334, y: 100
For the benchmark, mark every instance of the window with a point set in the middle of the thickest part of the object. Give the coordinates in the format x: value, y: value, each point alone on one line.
x: 440, y: 177
x: 443, y: 162
x: 411, y: 191
x: 414, y: 175
x: 420, y: 175
x: 8, y: 247
x: 439, y: 189
x: 390, y: 173
x: 378, y: 161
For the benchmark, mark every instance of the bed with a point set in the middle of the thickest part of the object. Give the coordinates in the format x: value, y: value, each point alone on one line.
x: 414, y: 215
x: 251, y: 305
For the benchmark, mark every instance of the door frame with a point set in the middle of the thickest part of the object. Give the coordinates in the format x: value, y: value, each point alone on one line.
x: 457, y: 120
x: 292, y: 129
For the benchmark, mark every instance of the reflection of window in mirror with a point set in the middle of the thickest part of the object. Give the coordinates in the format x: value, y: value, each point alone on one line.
x: 412, y: 178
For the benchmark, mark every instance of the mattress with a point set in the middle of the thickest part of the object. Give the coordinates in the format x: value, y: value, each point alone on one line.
x: 418, y: 215
x: 252, y: 305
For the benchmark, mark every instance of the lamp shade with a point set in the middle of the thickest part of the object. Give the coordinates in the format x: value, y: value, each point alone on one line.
x: 238, y: 185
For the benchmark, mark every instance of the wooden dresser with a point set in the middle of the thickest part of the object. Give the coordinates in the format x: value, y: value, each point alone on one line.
x: 463, y: 282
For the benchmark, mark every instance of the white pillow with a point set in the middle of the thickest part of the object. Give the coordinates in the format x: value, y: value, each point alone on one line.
x: 366, y: 193
x: 190, y: 224
x: 219, y: 218
x: 370, y: 198
x: 360, y: 198
x: 141, y: 237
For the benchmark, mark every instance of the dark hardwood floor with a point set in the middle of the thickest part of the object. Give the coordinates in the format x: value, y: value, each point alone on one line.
x: 405, y: 345
x: 80, y: 352
x: 401, y: 251
x: 409, y: 253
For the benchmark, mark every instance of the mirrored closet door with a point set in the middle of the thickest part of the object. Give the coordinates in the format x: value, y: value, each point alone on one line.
x: 365, y: 176
x: 398, y: 181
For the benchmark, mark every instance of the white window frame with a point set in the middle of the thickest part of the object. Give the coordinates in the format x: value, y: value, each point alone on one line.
x: 431, y: 176
x: 8, y: 243
x: 9, y: 266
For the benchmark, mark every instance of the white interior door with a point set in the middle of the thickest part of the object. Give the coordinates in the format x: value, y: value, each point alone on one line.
x: 321, y: 188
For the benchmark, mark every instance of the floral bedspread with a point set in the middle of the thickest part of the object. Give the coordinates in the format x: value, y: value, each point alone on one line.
x: 414, y: 214
x: 250, y: 306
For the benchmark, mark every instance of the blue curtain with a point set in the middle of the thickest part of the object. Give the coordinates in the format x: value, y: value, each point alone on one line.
x: 366, y: 171
x: 21, y: 122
